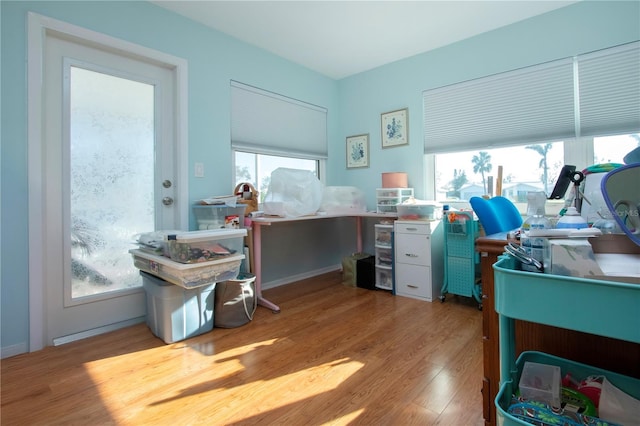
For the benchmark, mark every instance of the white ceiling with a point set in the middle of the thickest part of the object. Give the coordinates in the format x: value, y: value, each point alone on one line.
x: 342, y: 38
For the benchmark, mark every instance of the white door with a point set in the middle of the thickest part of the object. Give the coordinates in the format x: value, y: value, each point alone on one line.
x: 109, y: 173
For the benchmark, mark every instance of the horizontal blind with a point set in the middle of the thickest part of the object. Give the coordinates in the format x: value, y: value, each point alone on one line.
x: 609, y: 91
x: 267, y: 123
x: 528, y: 105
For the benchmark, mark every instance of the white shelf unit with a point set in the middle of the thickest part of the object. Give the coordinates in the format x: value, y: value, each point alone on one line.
x: 384, y: 256
x: 418, y: 256
x: 388, y: 198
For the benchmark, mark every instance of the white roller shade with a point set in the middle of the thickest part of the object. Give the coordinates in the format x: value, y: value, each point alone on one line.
x: 267, y: 123
x: 609, y: 88
x: 589, y: 95
x: 523, y: 106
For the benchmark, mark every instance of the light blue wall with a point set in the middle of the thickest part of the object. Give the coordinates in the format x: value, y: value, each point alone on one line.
x: 576, y: 29
x: 354, y: 105
x: 213, y: 60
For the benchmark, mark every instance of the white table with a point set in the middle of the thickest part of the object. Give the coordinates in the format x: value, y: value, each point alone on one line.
x: 258, y: 222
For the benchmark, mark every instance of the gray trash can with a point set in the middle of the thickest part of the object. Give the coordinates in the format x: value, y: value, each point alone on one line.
x: 235, y: 301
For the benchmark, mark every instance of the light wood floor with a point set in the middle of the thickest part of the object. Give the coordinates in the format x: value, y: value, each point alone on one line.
x: 335, y: 355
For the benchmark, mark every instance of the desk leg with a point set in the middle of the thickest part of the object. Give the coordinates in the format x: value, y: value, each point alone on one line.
x: 359, y: 234
x: 257, y: 260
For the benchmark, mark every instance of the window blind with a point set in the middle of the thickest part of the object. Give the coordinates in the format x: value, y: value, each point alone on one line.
x: 263, y: 122
x: 609, y: 91
x: 526, y: 105
x: 593, y: 94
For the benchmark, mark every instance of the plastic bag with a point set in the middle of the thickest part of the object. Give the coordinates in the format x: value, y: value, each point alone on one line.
x: 293, y: 193
x: 618, y: 406
x: 343, y: 200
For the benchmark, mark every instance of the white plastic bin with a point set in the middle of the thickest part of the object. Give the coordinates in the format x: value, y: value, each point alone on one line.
x: 175, y: 313
x: 204, y: 246
x: 188, y: 275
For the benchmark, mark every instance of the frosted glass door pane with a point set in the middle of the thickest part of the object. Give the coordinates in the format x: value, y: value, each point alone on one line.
x: 111, y: 176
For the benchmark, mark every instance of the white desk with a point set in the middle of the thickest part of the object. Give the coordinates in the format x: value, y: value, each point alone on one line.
x: 258, y: 222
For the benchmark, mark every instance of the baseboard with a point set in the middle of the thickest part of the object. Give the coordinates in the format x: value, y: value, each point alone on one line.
x: 96, y: 331
x: 294, y: 278
x: 13, y: 350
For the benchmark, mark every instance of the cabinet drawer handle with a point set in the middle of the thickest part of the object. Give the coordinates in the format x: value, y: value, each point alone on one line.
x: 412, y: 229
x: 411, y: 255
x: 412, y: 286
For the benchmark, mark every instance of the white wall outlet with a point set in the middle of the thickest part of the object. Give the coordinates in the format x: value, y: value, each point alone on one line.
x: 199, y: 170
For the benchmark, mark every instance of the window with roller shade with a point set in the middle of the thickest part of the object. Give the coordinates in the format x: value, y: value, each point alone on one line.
x: 269, y: 130
x: 579, y: 110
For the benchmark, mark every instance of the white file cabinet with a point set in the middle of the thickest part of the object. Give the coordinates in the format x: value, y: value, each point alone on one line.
x: 419, y: 261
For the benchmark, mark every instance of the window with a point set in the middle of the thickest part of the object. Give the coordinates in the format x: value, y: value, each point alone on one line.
x: 462, y: 175
x: 269, y: 130
x: 612, y: 149
x: 459, y: 175
x: 257, y: 168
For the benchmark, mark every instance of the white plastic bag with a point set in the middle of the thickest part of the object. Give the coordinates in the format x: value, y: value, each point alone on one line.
x: 293, y: 193
x: 343, y: 200
x: 618, y: 407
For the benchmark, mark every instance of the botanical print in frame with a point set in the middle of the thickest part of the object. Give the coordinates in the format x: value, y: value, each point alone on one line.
x: 395, y: 128
x: 357, y: 151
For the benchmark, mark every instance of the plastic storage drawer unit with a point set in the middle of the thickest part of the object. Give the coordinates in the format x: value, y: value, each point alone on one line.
x: 175, y: 313
x: 203, y: 246
x: 187, y: 275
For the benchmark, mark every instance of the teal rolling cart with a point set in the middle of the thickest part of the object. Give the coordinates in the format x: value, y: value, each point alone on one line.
x: 461, y: 261
x: 604, y: 308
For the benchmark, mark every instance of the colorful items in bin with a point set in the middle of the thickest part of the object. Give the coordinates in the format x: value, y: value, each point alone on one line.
x: 591, y: 386
x: 541, y: 414
x: 205, y: 246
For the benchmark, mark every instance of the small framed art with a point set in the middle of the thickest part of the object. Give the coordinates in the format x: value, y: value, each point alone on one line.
x: 357, y: 151
x: 395, y: 128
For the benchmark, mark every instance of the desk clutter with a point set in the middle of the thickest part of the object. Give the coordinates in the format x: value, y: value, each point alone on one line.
x: 560, y: 392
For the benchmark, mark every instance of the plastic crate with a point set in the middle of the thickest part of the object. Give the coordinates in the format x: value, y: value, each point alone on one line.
x: 629, y: 385
x: 175, y: 313
x: 219, y: 216
x: 384, y: 278
x: 187, y: 275
x: 204, y: 246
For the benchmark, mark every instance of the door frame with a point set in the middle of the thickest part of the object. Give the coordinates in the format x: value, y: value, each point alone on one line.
x: 38, y: 27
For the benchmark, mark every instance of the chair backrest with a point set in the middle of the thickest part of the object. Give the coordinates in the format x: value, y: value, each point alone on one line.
x: 497, y: 214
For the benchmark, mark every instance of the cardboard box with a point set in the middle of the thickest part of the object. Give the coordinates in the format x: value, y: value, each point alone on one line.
x: 571, y: 257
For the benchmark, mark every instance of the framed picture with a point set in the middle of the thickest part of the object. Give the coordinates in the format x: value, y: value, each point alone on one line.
x: 395, y: 128
x: 357, y: 151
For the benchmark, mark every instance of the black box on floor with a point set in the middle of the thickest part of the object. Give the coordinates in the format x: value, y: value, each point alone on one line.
x: 366, y: 273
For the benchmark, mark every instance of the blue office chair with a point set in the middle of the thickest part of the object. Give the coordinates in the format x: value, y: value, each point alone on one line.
x: 496, y: 214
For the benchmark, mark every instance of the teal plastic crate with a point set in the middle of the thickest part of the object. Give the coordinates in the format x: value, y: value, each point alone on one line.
x: 629, y: 385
